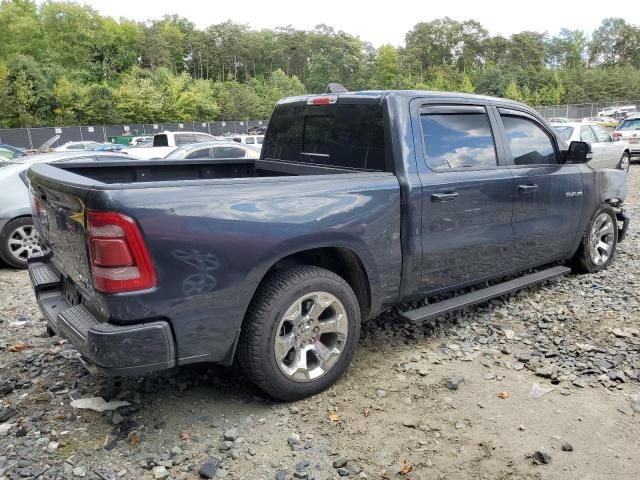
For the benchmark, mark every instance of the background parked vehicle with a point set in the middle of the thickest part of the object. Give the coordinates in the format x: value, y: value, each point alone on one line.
x: 17, y: 237
x: 215, y: 149
x: 558, y: 120
x: 618, y: 112
x: 606, y: 122
x: 109, y: 147
x: 136, y: 141
x: 248, y: 139
x: 606, y: 152
x: 8, y: 152
x: 257, y: 130
x: 70, y: 146
x: 166, y: 142
x: 629, y: 132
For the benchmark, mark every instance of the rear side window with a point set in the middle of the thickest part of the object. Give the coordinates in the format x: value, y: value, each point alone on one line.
x: 228, y: 152
x: 601, y: 133
x: 160, y: 140
x: 199, y: 153
x: 185, y: 139
x: 341, y: 135
x: 203, y: 137
x: 529, y: 143
x: 458, y: 140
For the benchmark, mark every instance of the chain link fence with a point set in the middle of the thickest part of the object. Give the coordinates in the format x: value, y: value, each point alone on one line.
x: 578, y: 111
x: 32, y: 138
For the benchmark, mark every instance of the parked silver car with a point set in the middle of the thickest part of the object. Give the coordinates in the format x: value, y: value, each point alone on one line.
x: 18, y: 238
x: 607, y: 151
x: 215, y: 149
x: 629, y: 132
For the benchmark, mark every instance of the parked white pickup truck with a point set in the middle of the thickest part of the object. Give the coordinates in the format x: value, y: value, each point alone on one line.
x: 166, y: 142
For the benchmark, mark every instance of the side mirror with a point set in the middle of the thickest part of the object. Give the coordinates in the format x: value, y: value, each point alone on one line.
x: 579, y: 152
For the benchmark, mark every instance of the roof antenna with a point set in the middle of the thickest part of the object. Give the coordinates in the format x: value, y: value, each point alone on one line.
x: 335, y: 88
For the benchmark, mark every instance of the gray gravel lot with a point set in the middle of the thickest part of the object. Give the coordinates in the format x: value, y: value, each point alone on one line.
x: 542, y: 384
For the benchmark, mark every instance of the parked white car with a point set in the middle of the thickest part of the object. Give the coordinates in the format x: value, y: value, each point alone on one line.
x: 71, y: 146
x: 166, y: 142
x: 255, y: 140
x: 215, y: 149
x: 607, y: 153
x: 621, y: 111
x: 135, y: 141
x: 629, y: 132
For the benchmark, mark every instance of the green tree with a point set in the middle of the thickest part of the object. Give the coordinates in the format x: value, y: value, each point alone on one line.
x: 513, y: 91
x: 27, y: 92
x: 386, y: 71
x: 20, y: 29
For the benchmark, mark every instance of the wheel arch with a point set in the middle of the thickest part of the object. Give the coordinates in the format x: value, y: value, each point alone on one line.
x: 342, y: 261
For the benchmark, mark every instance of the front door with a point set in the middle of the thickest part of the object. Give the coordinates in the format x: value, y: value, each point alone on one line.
x: 467, y: 198
x: 547, y: 194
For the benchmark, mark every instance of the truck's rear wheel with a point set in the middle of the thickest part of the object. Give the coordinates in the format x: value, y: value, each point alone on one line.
x: 599, y: 241
x: 300, y: 332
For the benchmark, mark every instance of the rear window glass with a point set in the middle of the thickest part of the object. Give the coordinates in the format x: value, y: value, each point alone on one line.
x: 160, y: 141
x: 633, y: 124
x: 340, y: 135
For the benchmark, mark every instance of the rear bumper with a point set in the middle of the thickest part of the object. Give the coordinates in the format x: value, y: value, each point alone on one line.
x: 105, y: 347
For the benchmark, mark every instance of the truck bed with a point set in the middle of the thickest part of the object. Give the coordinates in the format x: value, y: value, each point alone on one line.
x: 128, y: 172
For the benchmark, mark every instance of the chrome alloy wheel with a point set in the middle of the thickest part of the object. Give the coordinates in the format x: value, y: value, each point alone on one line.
x: 23, y: 241
x: 625, y: 162
x: 602, y: 238
x: 311, y: 336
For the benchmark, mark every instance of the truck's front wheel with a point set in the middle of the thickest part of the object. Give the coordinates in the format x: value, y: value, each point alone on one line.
x: 300, y: 332
x: 599, y: 241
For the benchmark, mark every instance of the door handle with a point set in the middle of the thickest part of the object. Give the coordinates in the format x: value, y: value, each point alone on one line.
x: 444, y: 197
x: 528, y: 188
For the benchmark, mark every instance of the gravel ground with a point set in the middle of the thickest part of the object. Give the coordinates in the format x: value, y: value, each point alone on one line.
x: 542, y: 384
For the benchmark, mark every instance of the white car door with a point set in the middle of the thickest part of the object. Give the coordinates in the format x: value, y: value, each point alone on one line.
x: 612, y: 151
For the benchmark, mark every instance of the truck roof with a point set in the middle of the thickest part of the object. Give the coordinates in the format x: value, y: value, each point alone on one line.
x: 376, y: 96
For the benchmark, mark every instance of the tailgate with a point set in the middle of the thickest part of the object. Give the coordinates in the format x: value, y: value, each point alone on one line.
x: 59, y: 216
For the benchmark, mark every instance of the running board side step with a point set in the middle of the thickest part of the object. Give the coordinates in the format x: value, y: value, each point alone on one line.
x: 482, y: 295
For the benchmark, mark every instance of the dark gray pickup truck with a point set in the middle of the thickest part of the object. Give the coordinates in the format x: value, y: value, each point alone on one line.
x: 360, y: 201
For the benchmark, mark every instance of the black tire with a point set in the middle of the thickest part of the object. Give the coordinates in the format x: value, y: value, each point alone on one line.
x: 625, y: 162
x: 5, y: 235
x: 582, y: 261
x: 274, y: 297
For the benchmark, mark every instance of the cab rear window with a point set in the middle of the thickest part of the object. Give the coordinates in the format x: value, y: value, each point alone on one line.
x: 340, y: 135
x: 160, y: 141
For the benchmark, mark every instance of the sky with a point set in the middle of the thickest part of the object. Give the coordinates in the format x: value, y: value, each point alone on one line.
x: 378, y: 22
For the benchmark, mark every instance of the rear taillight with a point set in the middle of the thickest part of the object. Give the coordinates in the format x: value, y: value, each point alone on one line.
x: 119, y: 258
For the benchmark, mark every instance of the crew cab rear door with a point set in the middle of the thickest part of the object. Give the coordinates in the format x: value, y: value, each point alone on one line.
x: 547, y: 193
x: 467, y: 196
